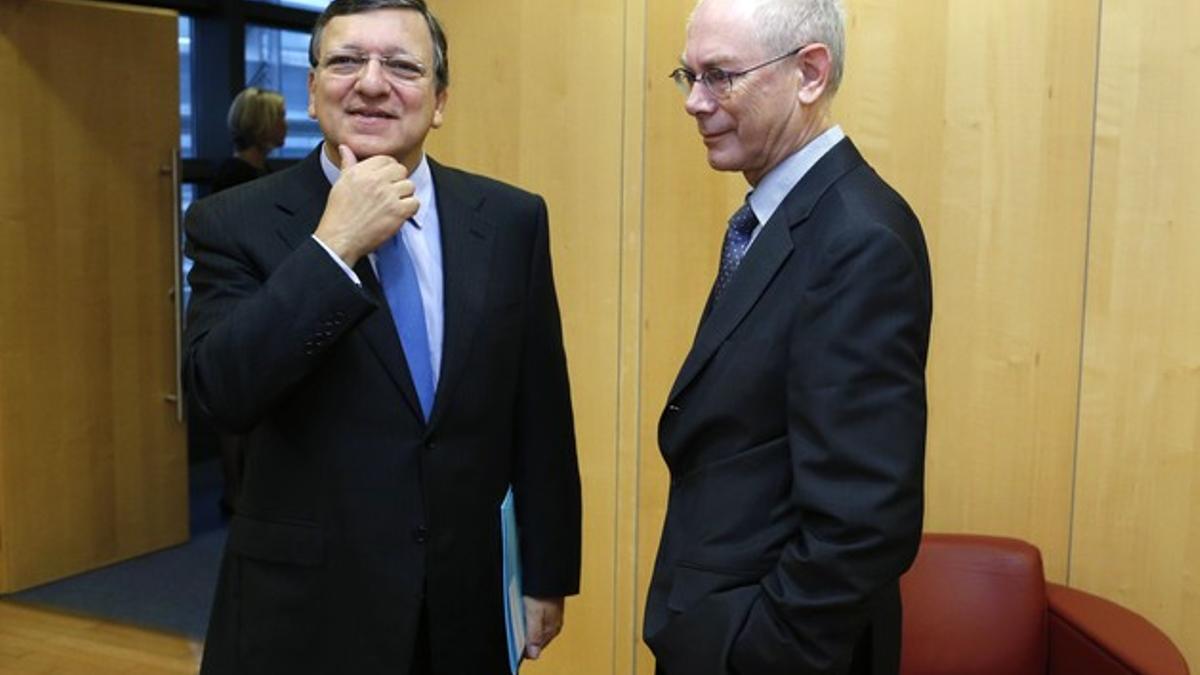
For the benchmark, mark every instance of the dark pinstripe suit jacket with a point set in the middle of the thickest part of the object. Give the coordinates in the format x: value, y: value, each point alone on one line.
x: 354, y: 512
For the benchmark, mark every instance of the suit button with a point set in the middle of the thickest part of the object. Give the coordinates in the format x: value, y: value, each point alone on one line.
x: 420, y: 534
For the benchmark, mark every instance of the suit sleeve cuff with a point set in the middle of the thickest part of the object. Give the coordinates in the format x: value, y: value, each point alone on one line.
x: 341, y: 263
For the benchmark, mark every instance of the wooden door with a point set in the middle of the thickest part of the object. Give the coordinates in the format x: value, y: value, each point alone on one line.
x: 93, y: 463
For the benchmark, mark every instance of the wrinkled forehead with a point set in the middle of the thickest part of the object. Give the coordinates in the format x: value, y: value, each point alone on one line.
x: 720, y: 34
x: 383, y: 31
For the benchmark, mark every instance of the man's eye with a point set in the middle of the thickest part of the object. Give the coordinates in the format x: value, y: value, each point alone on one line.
x: 342, y: 61
x: 715, y: 76
x: 405, y: 69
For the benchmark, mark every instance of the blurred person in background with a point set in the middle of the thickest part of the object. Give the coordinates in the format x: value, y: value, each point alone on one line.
x: 258, y: 125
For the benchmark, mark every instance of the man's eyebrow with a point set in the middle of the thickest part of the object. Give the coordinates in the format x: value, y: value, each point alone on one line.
x: 355, y: 47
x: 346, y: 46
x: 718, y: 62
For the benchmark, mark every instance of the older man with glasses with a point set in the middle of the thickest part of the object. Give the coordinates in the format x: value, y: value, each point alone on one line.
x: 795, y: 430
x: 385, y: 331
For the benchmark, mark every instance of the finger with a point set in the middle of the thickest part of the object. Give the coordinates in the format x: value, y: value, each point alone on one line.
x: 395, y: 171
x: 547, y: 636
x: 533, y: 632
x: 405, y: 188
x: 534, y: 645
x: 408, y: 208
x: 348, y: 158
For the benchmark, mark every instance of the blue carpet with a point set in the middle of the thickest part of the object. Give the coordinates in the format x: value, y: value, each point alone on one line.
x: 170, y: 590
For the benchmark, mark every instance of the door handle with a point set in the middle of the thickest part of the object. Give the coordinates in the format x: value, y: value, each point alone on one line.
x: 174, y: 295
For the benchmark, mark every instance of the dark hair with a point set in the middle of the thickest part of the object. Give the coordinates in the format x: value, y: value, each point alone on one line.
x: 441, y: 57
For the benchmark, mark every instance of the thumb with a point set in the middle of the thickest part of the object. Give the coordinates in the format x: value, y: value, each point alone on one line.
x: 348, y: 158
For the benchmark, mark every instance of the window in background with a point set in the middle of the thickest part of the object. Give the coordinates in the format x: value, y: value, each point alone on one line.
x: 187, y: 135
x: 316, y: 5
x: 187, y: 195
x: 278, y: 59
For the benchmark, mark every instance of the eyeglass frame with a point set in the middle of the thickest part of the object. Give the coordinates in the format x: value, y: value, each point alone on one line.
x: 686, y: 80
x: 387, y: 63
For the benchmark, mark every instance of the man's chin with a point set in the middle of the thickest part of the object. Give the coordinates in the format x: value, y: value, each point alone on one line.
x: 364, y: 146
x: 723, y: 162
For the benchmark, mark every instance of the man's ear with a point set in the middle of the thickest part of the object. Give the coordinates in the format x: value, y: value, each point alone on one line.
x: 816, y: 67
x: 312, y: 92
x: 439, y: 108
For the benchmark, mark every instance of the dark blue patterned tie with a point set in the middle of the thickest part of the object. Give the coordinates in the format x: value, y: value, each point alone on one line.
x: 737, y: 240
x: 399, y: 280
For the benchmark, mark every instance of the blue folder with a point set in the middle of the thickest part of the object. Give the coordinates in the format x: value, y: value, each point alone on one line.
x: 514, y: 603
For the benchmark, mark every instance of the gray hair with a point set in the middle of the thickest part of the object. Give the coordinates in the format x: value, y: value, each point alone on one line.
x: 783, y: 25
x: 441, y: 55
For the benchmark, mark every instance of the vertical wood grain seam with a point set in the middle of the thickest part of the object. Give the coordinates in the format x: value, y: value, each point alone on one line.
x: 631, y: 294
x: 618, y: 421
x: 1083, y: 314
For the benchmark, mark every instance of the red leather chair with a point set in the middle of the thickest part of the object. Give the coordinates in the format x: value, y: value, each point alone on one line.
x: 976, y: 605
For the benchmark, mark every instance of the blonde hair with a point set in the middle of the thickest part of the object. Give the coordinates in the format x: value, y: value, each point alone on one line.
x: 253, y: 116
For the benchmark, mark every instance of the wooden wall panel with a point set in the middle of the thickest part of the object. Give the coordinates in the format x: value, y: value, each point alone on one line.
x: 536, y: 99
x: 980, y: 114
x: 1137, y: 525
x: 628, y: 646
x: 92, y: 459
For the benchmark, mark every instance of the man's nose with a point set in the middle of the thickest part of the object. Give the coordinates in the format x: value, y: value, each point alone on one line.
x: 699, y: 100
x: 371, y: 80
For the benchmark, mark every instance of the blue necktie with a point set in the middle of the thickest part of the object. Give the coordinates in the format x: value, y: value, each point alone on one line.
x: 737, y: 240
x: 398, y: 277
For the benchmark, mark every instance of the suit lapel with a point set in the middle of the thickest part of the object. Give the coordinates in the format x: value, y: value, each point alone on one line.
x: 303, y: 202
x: 466, y: 261
x: 767, y: 254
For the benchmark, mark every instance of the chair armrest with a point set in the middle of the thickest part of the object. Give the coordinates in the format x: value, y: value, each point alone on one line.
x: 1089, y: 634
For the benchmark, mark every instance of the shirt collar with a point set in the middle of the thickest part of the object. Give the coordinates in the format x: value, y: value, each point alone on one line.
x: 421, y: 177
x: 770, y: 192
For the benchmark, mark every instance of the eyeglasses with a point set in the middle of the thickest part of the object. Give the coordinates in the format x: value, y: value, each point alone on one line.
x: 718, y: 81
x: 395, y: 68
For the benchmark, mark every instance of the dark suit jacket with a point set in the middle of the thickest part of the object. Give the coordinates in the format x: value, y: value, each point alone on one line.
x: 353, y: 511
x: 795, y: 437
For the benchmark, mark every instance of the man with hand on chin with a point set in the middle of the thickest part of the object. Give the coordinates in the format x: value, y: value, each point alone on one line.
x: 385, y: 330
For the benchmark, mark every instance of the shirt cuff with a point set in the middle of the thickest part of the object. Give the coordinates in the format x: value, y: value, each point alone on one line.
x: 341, y: 263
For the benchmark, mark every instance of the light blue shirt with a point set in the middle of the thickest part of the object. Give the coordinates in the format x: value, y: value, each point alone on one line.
x: 774, y: 187
x: 422, y: 237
